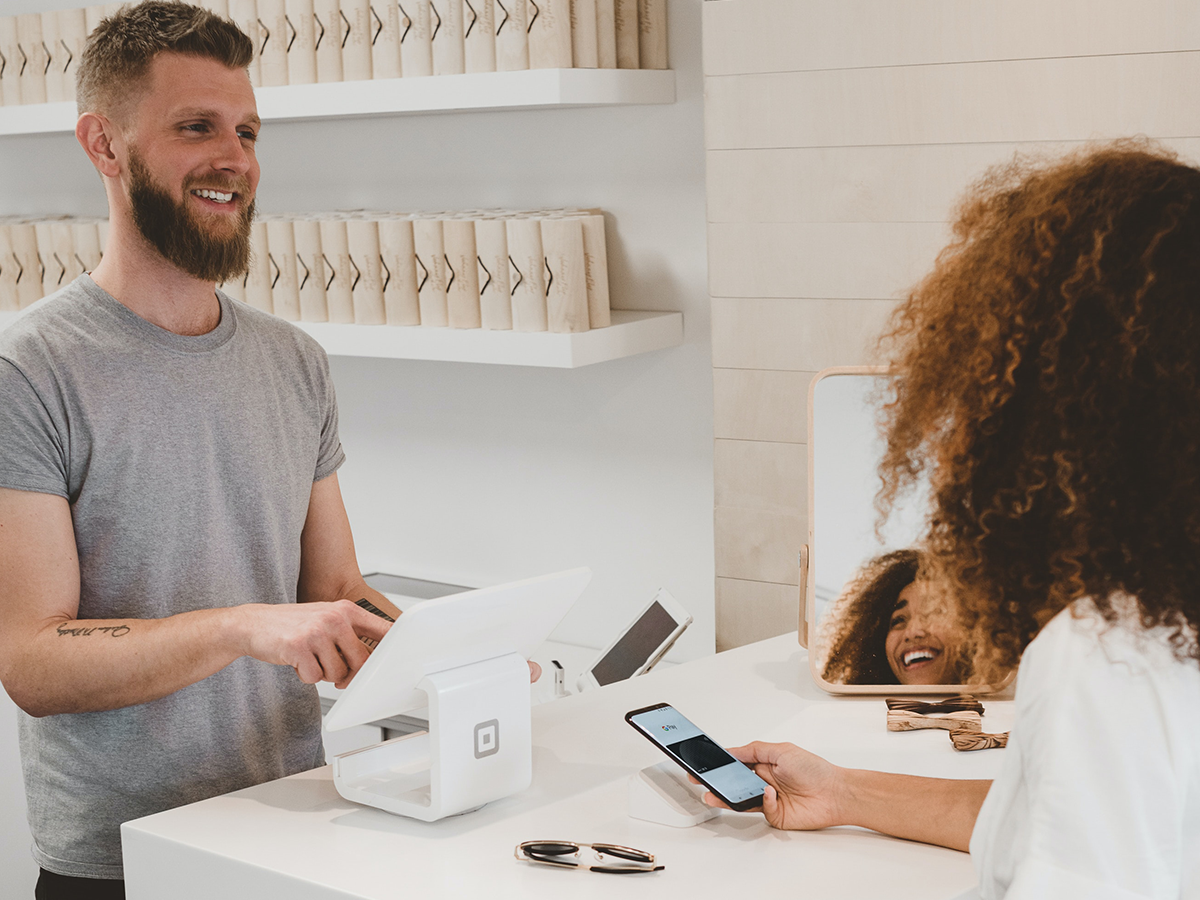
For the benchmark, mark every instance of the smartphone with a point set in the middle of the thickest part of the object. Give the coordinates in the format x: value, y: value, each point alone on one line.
x: 734, y: 783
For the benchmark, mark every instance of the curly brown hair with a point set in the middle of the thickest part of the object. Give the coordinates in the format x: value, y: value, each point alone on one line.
x: 1048, y: 381
x: 859, y: 620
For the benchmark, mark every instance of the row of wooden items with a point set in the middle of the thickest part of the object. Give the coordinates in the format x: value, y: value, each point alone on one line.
x: 308, y: 41
x: 37, y: 257
x: 543, y: 270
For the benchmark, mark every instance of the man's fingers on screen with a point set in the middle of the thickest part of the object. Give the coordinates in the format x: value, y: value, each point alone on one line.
x: 365, y: 624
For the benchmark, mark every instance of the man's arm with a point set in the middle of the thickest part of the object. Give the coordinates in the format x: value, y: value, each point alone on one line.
x: 53, y: 662
x: 328, y: 565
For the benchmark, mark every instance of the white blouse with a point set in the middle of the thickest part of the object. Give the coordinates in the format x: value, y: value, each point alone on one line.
x: 1099, y: 793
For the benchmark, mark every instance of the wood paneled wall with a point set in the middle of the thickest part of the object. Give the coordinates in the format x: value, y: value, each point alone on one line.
x: 839, y: 134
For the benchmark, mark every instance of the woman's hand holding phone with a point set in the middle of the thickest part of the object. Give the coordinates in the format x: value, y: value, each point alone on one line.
x: 804, y: 791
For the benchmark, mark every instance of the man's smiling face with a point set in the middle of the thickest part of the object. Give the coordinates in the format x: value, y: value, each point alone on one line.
x: 192, y: 170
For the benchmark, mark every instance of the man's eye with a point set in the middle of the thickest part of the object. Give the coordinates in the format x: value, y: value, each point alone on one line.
x: 196, y: 126
x: 247, y: 135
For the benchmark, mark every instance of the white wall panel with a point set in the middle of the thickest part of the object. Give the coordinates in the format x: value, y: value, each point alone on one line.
x: 760, y: 475
x: 837, y: 260
x: 904, y: 183
x: 801, y: 335
x: 756, y: 545
x: 743, y: 36
x: 749, y: 611
x: 760, y: 405
x: 1022, y: 100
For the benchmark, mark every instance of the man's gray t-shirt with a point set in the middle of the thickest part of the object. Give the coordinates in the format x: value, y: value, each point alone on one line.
x: 188, y: 463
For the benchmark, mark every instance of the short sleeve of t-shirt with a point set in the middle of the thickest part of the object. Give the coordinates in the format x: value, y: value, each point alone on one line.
x: 331, y: 455
x: 32, y: 457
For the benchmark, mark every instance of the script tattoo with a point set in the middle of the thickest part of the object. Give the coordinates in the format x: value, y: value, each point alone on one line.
x: 83, y: 631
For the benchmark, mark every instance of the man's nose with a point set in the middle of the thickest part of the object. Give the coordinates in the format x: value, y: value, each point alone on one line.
x: 232, y: 155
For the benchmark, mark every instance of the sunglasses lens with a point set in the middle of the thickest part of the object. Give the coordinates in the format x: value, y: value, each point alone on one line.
x: 624, y: 853
x: 549, y: 848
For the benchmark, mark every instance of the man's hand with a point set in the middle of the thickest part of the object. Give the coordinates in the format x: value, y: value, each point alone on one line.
x: 802, y: 789
x: 321, y: 641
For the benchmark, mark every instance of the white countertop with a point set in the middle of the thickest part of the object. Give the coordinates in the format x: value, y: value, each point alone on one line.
x: 297, y: 837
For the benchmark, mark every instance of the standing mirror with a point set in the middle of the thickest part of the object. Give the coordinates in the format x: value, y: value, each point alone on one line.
x: 873, y: 622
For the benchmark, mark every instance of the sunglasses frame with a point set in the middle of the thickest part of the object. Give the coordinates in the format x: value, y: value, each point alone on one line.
x: 551, y: 853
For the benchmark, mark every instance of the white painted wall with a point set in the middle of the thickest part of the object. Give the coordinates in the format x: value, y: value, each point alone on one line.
x: 482, y: 473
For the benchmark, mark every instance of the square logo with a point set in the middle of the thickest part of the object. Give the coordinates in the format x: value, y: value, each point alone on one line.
x: 487, y: 738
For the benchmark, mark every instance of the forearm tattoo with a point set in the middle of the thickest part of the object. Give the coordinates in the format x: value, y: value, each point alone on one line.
x: 84, y: 631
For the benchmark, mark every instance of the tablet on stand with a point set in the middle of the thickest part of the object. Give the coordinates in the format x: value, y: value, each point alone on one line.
x: 463, y: 655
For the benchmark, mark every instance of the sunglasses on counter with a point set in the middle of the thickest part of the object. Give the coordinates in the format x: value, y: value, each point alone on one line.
x: 611, y: 858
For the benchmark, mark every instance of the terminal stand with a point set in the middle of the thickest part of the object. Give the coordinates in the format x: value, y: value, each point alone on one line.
x: 663, y: 794
x: 478, y: 747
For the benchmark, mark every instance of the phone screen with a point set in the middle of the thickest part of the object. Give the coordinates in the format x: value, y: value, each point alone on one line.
x: 725, y: 776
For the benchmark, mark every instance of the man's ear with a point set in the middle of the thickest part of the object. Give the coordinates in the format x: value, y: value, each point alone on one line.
x: 96, y: 134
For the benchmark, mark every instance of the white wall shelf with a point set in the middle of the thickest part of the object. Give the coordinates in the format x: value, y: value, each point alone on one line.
x: 525, y: 89
x: 632, y: 332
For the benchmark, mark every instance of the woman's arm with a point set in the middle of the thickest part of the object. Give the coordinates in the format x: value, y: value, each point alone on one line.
x: 805, y: 792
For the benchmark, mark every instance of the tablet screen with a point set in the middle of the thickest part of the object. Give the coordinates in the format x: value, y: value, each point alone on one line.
x: 636, y: 646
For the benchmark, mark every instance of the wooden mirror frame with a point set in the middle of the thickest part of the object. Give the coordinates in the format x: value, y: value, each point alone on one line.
x: 807, y: 582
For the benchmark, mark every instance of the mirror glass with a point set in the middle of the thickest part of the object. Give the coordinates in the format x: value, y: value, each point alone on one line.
x: 873, y: 618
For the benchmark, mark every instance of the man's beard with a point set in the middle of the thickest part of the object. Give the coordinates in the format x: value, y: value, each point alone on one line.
x: 171, y: 229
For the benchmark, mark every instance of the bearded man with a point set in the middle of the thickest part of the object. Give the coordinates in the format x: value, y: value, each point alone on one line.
x: 169, y: 508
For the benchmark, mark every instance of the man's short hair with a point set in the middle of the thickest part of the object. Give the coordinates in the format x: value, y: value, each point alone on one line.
x: 121, y: 48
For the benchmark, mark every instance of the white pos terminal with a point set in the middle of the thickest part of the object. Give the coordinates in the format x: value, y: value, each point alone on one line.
x: 465, y: 656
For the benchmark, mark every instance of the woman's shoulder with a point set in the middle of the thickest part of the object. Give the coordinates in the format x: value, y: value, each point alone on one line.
x: 1082, y: 649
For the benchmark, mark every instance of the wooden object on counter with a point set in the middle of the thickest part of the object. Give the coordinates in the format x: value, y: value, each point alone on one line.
x: 960, y: 713
x: 978, y: 740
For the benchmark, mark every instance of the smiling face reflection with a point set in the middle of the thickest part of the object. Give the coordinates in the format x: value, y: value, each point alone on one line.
x: 918, y: 637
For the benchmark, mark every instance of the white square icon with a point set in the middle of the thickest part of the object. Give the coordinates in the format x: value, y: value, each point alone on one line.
x: 487, y: 738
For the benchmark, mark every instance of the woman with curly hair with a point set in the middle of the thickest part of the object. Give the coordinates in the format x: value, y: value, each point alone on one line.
x: 889, y: 627
x: 1048, y: 383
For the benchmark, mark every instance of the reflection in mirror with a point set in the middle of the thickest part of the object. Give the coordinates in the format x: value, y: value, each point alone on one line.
x: 878, y: 617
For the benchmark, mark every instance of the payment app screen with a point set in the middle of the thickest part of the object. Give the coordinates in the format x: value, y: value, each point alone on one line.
x: 724, y: 774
